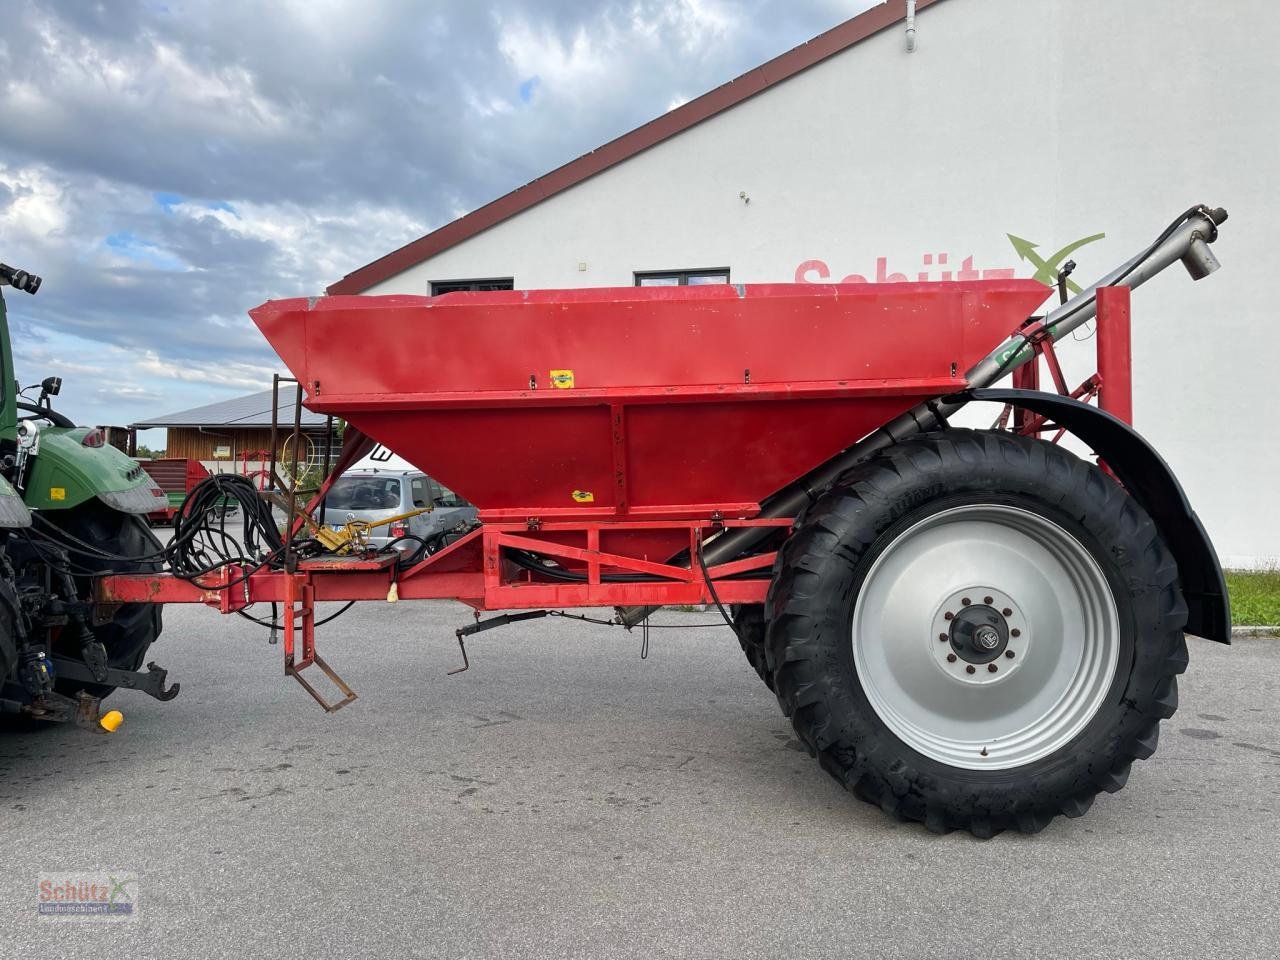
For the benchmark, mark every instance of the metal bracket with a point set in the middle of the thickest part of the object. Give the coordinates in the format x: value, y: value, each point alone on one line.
x: 348, y: 695
x: 94, y: 655
x: 1067, y: 269
x: 1039, y: 338
x: 300, y: 605
x: 480, y: 626
x: 51, y: 707
x: 87, y: 711
x: 103, y: 613
x: 152, y: 683
x: 55, y: 708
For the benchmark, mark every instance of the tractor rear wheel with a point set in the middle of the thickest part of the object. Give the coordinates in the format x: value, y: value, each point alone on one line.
x: 977, y: 631
x: 8, y: 625
x: 133, y: 627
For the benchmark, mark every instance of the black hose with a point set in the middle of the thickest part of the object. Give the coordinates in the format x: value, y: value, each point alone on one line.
x: 199, y: 549
x: 202, y: 546
x: 274, y: 623
x: 531, y: 562
x: 711, y: 589
x: 57, y: 419
x: 419, y: 553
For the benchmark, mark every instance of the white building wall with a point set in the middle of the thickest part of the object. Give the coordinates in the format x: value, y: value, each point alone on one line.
x: 1051, y: 120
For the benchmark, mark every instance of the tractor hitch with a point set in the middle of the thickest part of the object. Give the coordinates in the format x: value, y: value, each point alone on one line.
x: 152, y: 683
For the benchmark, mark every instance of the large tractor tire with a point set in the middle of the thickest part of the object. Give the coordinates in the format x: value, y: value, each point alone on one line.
x: 977, y: 631
x: 8, y: 625
x: 748, y: 622
x: 133, y: 627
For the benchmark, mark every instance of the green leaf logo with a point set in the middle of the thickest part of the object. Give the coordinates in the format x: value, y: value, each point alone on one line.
x: 1047, y: 269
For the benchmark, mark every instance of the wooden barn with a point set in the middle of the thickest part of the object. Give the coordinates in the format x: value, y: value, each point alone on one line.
x: 227, y: 434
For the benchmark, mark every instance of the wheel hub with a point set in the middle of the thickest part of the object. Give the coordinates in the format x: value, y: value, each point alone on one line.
x: 981, y: 635
x: 978, y: 633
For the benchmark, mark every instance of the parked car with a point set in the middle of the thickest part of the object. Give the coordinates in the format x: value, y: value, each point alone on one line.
x: 374, y: 494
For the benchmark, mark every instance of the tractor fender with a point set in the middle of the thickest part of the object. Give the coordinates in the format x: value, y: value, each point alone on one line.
x: 66, y: 473
x: 1150, y: 481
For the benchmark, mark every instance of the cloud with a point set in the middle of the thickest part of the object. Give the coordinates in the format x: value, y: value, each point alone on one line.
x: 174, y: 277
x: 141, y: 397
x: 243, y: 376
x: 168, y: 166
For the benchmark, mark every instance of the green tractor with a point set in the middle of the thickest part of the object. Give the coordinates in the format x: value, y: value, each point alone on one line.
x: 71, y: 507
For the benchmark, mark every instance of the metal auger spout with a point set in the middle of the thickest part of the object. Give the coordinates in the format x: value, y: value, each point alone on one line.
x: 1186, y: 240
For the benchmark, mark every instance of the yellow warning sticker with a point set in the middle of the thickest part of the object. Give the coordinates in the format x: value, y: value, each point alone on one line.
x: 562, y: 379
x: 584, y: 496
x: 57, y: 493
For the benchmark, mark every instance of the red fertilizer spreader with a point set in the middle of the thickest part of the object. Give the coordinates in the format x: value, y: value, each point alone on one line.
x: 971, y: 628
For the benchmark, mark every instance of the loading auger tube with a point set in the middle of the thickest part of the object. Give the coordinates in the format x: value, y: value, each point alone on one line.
x: 1187, y: 240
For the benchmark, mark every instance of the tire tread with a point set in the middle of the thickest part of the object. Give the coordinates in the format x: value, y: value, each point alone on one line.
x: 797, y: 658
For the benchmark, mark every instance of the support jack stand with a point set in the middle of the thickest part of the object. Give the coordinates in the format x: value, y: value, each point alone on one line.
x: 303, y: 608
x: 480, y: 626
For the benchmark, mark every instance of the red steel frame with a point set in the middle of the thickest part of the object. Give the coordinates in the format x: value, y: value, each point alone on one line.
x: 1112, y: 384
x: 474, y: 571
x: 1115, y: 356
x: 497, y: 585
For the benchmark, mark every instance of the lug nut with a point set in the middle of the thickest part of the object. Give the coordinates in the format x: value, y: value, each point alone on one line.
x: 988, y: 601
x: 951, y: 658
x: 970, y: 668
x: 964, y: 601
x: 1015, y: 632
x: 948, y: 615
x: 1007, y: 612
x: 1009, y: 654
x: 992, y: 668
x: 942, y: 637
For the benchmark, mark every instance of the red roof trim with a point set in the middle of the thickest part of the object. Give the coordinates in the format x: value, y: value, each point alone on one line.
x: 675, y: 121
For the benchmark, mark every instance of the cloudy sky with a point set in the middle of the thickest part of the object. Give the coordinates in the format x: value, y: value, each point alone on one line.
x: 166, y: 165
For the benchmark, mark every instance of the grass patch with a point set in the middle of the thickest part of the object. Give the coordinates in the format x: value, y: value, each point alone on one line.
x: 1255, y: 597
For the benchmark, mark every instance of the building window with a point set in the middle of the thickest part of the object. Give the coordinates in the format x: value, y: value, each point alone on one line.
x: 682, y: 278
x: 453, y: 286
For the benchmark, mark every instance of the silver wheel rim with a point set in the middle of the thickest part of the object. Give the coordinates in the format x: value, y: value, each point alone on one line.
x: 1061, y: 643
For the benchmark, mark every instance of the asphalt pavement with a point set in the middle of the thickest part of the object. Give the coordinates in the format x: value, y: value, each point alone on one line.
x: 565, y: 798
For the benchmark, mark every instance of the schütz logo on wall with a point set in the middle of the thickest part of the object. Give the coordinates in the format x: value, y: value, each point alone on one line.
x: 942, y: 266
x: 1047, y: 268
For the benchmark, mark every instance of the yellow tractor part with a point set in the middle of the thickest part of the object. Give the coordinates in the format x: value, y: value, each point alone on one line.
x: 354, y: 535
